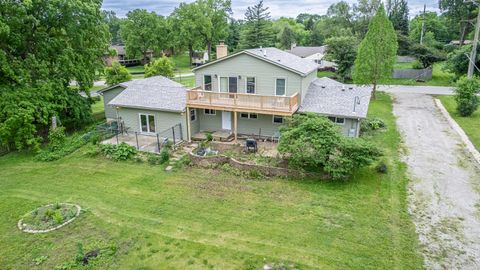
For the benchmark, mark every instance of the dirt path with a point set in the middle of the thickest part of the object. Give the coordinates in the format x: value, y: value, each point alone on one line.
x: 445, y: 183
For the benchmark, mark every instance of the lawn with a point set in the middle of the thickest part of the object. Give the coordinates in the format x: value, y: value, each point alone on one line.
x: 471, y: 125
x: 144, y: 218
x: 188, y: 81
x: 325, y: 74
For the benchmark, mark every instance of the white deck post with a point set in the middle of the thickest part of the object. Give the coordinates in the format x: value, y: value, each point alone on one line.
x: 235, y: 125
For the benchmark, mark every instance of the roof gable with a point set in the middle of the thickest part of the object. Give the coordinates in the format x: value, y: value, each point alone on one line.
x: 276, y: 57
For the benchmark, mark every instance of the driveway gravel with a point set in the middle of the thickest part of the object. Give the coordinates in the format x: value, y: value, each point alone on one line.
x: 444, y: 188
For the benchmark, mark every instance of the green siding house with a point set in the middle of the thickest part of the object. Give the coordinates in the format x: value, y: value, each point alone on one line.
x: 249, y: 93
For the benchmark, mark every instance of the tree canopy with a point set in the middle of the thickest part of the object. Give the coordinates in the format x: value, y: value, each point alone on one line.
x: 342, y: 50
x: 44, y: 46
x: 162, y: 66
x: 257, y: 30
x: 116, y: 74
x: 377, y: 52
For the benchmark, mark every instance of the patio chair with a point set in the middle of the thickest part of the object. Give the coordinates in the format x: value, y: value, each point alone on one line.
x: 276, y: 137
x: 251, y: 145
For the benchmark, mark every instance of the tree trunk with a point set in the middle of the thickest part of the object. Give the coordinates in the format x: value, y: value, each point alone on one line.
x: 463, y: 29
x: 374, y: 91
x: 190, y: 53
x: 209, y: 49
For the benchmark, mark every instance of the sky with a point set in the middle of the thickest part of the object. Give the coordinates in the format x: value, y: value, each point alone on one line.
x: 278, y: 8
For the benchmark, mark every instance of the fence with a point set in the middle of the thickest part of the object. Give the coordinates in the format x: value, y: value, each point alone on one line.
x: 405, y: 59
x: 147, y: 142
x: 416, y: 74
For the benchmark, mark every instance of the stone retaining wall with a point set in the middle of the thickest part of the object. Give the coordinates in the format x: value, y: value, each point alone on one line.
x: 209, y: 161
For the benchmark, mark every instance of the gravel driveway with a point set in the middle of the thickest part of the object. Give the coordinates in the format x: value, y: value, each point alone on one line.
x: 444, y: 188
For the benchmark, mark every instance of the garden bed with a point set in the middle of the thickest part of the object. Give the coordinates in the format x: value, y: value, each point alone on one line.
x: 49, y: 217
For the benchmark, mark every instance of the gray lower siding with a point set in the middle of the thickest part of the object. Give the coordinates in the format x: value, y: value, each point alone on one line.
x: 110, y: 111
x: 163, y: 120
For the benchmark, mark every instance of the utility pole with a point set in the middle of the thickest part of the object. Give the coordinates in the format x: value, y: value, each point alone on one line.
x: 423, y: 24
x: 473, y: 54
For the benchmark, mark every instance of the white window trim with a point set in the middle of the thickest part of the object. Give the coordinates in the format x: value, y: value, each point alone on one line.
x: 210, y: 114
x: 211, y: 81
x: 248, y: 116
x: 246, y: 81
x: 194, y: 114
x: 275, y: 89
x: 148, y: 123
x: 273, y: 120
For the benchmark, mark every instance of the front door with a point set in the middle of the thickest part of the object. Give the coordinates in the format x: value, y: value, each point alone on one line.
x: 227, y: 120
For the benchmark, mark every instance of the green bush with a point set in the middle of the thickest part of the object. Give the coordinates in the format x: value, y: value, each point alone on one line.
x: 116, y: 74
x: 417, y: 65
x: 209, y: 137
x: 314, y: 143
x: 466, y: 96
x: 164, y: 155
x: 162, y: 66
x: 57, y: 137
x: 57, y: 217
x: 371, y: 124
x: 60, y: 145
x: 118, y: 152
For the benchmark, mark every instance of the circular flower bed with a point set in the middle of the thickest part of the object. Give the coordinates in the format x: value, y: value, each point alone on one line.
x: 49, y: 217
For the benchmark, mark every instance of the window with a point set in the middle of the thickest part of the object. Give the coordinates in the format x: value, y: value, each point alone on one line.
x: 277, y: 119
x: 209, y: 112
x: 147, y: 123
x: 248, y: 115
x: 207, y: 82
x: 228, y: 84
x: 337, y: 120
x: 193, y: 115
x: 223, y: 84
x: 250, y: 85
x: 280, y: 87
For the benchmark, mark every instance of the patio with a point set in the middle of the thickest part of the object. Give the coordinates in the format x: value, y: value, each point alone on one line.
x: 141, y: 142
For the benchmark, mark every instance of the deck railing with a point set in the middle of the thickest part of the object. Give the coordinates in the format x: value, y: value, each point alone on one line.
x: 197, y: 97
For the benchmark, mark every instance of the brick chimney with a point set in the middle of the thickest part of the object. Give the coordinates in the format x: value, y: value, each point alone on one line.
x: 222, y: 50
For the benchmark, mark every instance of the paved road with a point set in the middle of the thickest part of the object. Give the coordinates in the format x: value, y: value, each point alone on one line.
x: 442, y: 196
x: 433, y: 90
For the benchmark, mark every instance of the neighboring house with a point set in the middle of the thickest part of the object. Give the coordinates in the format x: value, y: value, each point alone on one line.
x: 199, y: 58
x: 122, y: 58
x: 249, y: 93
x: 314, y: 53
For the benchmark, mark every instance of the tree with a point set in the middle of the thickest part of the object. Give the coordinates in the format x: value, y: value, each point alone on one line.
x: 113, y: 22
x: 342, y: 14
x: 457, y: 61
x: 364, y: 10
x: 44, y: 45
x: 398, y: 13
x: 233, y: 38
x: 342, y: 50
x: 308, y: 20
x: 212, y: 20
x: 143, y: 31
x: 312, y: 142
x: 326, y: 28
x: 287, y: 37
x: 427, y: 56
x: 257, y: 30
x: 439, y: 26
x: 466, y: 92
x: 459, y: 13
x: 184, y: 17
x: 162, y: 66
x: 377, y: 52
x: 116, y: 74
x: 296, y: 34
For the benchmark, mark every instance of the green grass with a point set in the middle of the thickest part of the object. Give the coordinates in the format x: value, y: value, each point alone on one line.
x: 187, y: 81
x: 471, y: 125
x: 181, y: 63
x: 205, y: 219
x: 98, y: 106
x: 325, y: 74
x: 139, y: 68
x: 407, y: 65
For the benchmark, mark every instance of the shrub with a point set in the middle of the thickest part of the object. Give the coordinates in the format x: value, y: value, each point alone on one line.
x: 116, y: 74
x: 119, y: 152
x: 56, y: 137
x: 57, y: 217
x: 60, y: 145
x: 382, y: 167
x: 371, y: 124
x: 164, y: 155
x: 209, y: 137
x: 466, y: 96
x: 313, y: 142
x: 157, y: 159
x: 162, y: 66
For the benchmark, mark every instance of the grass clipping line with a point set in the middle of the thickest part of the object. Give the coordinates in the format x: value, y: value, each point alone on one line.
x: 23, y: 229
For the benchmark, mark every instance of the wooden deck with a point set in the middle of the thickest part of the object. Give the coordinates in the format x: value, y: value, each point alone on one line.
x: 277, y: 105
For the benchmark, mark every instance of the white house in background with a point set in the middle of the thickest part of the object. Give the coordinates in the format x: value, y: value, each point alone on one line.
x: 314, y: 53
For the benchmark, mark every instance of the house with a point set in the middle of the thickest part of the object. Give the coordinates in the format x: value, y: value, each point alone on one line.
x: 199, y: 58
x: 314, y: 53
x: 249, y: 93
x: 122, y: 58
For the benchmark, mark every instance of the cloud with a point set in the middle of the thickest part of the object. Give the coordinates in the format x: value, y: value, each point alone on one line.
x: 277, y: 8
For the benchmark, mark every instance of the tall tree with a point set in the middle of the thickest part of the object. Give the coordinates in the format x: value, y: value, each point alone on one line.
x: 257, y: 30
x: 234, y: 28
x: 364, y: 11
x: 287, y: 37
x: 297, y: 32
x: 460, y: 13
x: 143, y: 31
x: 398, y: 13
x: 184, y: 18
x: 341, y: 14
x: 342, y: 50
x: 377, y: 52
x: 113, y: 23
x: 44, y: 45
x: 212, y: 20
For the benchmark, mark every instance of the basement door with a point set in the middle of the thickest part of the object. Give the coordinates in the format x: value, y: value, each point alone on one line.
x: 226, y: 120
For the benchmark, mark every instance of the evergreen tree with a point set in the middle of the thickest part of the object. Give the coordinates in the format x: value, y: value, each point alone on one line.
x: 257, y: 30
x: 287, y: 37
x: 377, y: 52
x: 233, y: 34
x: 398, y: 14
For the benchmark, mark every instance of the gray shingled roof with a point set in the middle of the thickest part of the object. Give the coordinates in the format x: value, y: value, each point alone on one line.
x: 307, y: 51
x: 156, y: 93
x: 329, y: 97
x: 284, y: 59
